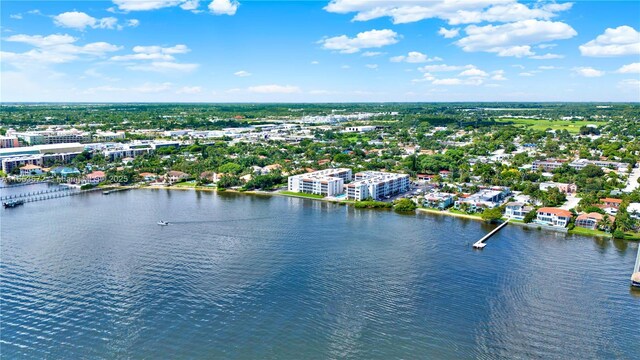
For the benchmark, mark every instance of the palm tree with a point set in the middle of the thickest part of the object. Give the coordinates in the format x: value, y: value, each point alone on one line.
x: 604, y: 223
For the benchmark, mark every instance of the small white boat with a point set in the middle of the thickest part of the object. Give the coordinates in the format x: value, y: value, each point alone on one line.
x: 163, y: 223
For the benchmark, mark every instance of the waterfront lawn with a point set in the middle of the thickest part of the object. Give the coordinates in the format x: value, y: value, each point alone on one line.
x: 582, y: 231
x: 185, y: 184
x: 542, y: 125
x: 632, y: 236
x: 460, y: 212
x: 310, y: 196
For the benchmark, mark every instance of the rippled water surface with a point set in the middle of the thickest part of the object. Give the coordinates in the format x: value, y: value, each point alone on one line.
x: 250, y: 277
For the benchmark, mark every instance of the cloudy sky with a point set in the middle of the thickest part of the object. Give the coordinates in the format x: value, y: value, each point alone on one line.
x: 319, y: 51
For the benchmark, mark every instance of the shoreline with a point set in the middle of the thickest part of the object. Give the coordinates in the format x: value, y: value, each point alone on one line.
x: 339, y: 202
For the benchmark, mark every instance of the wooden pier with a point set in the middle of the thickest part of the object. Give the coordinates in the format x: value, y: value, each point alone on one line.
x: 480, y: 244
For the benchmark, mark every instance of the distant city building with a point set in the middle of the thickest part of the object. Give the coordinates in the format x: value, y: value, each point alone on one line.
x: 359, y: 129
x: 581, y: 163
x: 377, y: 185
x: 547, y: 165
x: 8, y: 142
x: 53, y: 137
x: 329, y: 182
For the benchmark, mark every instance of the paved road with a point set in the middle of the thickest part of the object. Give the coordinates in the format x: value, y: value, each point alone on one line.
x: 632, y: 182
x: 572, y: 202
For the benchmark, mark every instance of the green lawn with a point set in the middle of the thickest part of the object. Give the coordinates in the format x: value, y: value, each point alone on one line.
x: 582, y: 231
x: 632, y: 236
x: 542, y: 125
x: 311, y: 196
x: 185, y: 184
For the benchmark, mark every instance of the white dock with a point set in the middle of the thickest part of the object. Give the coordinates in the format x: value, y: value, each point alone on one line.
x: 480, y: 244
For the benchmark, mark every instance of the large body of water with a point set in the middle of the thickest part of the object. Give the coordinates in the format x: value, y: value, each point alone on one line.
x: 250, y: 277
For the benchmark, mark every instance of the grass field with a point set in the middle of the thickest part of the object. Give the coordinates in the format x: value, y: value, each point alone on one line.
x: 572, y: 126
x: 185, y: 184
x: 588, y: 232
x: 311, y: 196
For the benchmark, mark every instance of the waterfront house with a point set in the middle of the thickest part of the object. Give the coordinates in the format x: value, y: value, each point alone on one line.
x: 95, y: 177
x: 173, y: 176
x: 438, y: 200
x: 30, y: 169
x: 210, y: 176
x: 553, y: 216
x: 591, y: 220
x: 610, y: 202
x: 65, y: 171
x: 516, y: 210
x: 425, y: 177
x: 377, y: 185
x: 147, y: 176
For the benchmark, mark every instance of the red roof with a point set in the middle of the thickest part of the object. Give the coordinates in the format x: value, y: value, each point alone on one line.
x: 611, y: 200
x: 555, y: 211
x: 96, y: 175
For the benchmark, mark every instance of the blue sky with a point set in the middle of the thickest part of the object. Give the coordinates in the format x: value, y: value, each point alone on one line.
x: 319, y: 51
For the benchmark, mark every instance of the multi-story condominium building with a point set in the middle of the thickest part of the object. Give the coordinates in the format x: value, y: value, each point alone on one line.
x: 581, y: 163
x: 8, y: 164
x: 108, y: 135
x: 553, y: 216
x: 54, y: 137
x: 377, y: 185
x: 8, y: 142
x: 516, y: 210
x: 547, y: 165
x: 329, y: 182
x: 565, y: 188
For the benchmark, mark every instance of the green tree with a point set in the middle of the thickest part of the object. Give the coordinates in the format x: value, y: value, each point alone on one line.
x: 405, y: 205
x: 490, y: 215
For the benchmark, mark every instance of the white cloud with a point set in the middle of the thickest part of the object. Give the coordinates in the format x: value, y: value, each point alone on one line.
x: 414, y: 57
x: 372, y: 53
x: 146, y: 88
x: 444, y: 68
x: 588, y: 71
x: 133, y: 22
x: 513, y: 39
x: 548, y: 67
x: 242, y: 73
x: 547, y: 56
x: 473, y: 72
x: 274, y: 89
x: 631, y: 83
x: 217, y: 7
x: 364, y: 40
x: 372, y: 66
x: 315, y: 62
x: 164, y: 67
x: 153, y: 52
x: 345, y: 67
x: 53, y: 49
x: 449, y: 33
x: 152, y: 87
x: 142, y: 5
x: 80, y: 21
x: 156, y: 59
x: 224, y: 7
x: 623, y: 40
x: 189, y: 90
x: 498, y: 75
x: 633, y: 68
x: 458, y: 81
x: 455, y: 12
x: 526, y: 74
x: 16, y: 16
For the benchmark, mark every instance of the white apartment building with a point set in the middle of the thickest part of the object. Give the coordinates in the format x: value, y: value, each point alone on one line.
x: 329, y: 182
x: 377, y: 185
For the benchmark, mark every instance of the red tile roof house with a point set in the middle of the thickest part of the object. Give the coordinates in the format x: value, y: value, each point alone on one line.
x: 175, y: 176
x: 609, y: 202
x: 553, y: 216
x: 591, y: 220
x: 95, y: 177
